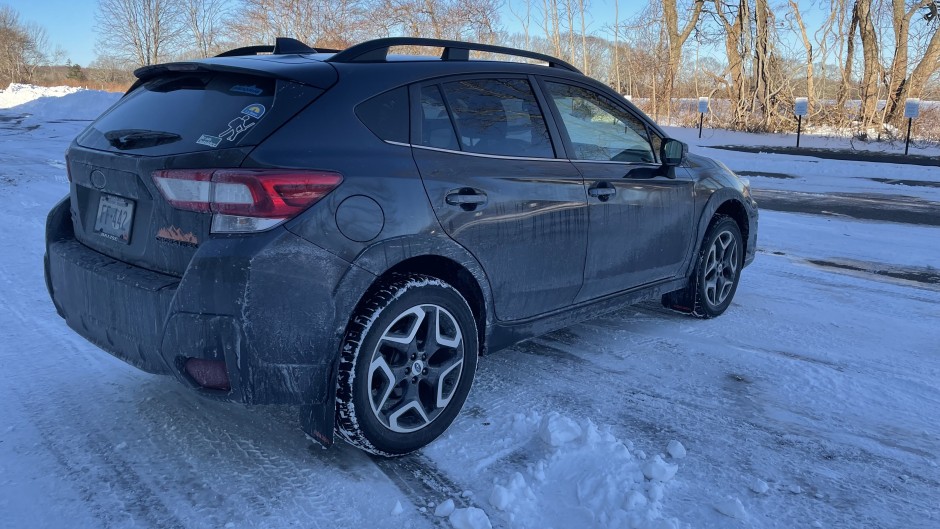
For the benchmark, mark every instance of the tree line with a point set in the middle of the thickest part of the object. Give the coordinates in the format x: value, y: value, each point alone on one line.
x: 857, y: 61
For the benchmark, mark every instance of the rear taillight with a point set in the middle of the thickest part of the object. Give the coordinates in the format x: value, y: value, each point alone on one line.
x: 245, y: 200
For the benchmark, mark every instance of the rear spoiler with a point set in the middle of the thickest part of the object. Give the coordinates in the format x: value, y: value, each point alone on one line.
x: 297, y: 69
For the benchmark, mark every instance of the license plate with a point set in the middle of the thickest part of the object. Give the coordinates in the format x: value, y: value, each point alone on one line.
x: 115, y: 217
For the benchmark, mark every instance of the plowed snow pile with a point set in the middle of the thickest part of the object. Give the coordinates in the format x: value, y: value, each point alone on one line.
x: 43, y: 103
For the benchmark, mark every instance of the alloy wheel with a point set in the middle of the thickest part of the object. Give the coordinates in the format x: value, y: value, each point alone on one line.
x: 721, y: 268
x: 415, y: 368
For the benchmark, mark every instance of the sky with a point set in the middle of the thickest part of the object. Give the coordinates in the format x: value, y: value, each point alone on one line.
x: 70, y: 23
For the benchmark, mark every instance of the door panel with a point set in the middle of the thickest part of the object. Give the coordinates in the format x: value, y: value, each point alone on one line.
x: 638, y: 235
x: 640, y: 221
x: 497, y: 189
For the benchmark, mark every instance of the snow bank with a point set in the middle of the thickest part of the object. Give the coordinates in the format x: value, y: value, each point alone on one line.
x: 17, y: 94
x: 44, y: 104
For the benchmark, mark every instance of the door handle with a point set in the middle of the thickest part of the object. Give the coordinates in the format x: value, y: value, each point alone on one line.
x: 602, y: 191
x: 467, y: 199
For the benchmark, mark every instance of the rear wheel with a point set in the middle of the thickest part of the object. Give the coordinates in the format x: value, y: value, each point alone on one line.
x: 717, y: 272
x: 407, y: 365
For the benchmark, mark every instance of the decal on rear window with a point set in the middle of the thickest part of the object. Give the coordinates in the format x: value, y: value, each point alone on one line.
x: 246, y: 89
x: 211, y: 141
x: 249, y: 118
x: 255, y: 110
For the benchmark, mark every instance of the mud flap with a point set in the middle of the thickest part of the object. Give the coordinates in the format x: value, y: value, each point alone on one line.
x: 319, y: 420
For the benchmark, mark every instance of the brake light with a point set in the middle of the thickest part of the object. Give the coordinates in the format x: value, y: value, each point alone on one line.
x: 245, y: 200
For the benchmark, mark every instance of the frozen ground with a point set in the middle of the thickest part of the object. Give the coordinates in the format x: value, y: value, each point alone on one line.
x: 813, y: 402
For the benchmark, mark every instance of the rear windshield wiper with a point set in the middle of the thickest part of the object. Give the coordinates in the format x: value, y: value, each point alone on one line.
x: 139, y: 138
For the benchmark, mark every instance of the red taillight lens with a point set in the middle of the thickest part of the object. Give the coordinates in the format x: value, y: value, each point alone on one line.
x: 245, y: 199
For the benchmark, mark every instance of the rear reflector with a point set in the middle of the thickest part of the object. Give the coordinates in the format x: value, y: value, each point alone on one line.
x: 210, y: 374
x: 245, y: 200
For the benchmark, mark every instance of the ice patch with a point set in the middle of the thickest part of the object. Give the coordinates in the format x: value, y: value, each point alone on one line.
x: 470, y: 518
x: 675, y: 449
x: 397, y: 509
x: 732, y: 508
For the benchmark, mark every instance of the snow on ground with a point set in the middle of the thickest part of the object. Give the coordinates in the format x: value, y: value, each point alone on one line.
x: 17, y: 94
x: 808, y: 174
x: 813, y: 402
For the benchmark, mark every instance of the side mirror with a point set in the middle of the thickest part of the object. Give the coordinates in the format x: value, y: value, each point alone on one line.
x: 673, y: 152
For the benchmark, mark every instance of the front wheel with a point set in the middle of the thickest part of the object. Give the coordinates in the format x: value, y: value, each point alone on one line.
x: 407, y: 365
x: 717, y: 272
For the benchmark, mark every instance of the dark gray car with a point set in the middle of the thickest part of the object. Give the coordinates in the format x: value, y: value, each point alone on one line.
x: 347, y: 231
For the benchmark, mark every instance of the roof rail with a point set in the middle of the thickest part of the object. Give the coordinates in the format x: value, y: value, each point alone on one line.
x: 454, y: 50
x: 282, y: 46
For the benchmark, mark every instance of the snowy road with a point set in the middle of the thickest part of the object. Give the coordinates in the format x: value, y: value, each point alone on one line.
x: 814, y: 401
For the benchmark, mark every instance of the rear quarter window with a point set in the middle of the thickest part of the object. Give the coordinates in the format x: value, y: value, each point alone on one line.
x: 191, y: 112
x: 386, y: 115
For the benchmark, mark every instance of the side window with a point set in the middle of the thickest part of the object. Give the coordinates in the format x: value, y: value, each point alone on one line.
x: 386, y: 115
x: 498, y: 116
x: 598, y: 129
x: 436, y: 128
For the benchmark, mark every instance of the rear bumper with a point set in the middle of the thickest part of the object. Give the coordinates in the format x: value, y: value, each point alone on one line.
x: 272, y: 306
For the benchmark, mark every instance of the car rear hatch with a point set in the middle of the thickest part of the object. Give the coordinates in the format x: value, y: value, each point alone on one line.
x: 191, y: 119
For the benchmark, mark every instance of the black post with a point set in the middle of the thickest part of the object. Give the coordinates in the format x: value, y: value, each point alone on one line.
x: 907, y: 144
x: 799, y: 129
x: 701, y: 119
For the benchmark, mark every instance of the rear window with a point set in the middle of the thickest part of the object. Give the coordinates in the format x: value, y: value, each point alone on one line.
x: 191, y: 112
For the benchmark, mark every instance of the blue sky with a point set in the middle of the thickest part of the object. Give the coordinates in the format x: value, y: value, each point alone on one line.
x: 70, y: 23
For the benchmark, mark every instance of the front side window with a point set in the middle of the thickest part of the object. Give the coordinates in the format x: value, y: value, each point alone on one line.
x: 599, y: 129
x: 498, y: 116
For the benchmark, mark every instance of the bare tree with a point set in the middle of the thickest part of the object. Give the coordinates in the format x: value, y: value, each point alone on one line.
x: 143, y: 32
x: 23, y: 47
x: 808, y: 47
x: 204, y: 24
x: 677, y: 37
x: 900, y: 74
x: 871, y: 63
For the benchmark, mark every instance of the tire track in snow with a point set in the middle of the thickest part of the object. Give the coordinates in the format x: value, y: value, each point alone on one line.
x: 419, y: 479
x: 143, y: 489
x: 94, y: 461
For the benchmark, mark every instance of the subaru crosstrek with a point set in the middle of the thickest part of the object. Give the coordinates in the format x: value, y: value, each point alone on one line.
x: 346, y: 231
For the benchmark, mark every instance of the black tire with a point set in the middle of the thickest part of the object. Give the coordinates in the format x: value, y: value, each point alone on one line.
x: 374, y: 387
x: 717, y: 272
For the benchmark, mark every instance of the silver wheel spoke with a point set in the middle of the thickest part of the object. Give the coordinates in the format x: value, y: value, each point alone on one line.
x: 439, y: 382
x: 446, y: 341
x: 380, y: 367
x: 409, y: 336
x: 411, y: 406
